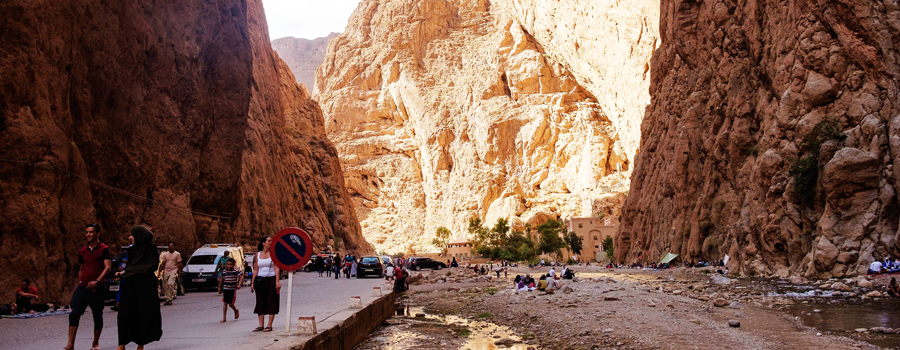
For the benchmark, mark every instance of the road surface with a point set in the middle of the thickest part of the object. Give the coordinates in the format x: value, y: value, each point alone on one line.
x: 193, y: 321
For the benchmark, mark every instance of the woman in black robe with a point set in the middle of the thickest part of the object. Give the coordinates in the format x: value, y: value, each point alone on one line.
x: 139, y: 318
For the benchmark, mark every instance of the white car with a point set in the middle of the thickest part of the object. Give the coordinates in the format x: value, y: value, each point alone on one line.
x: 200, y: 270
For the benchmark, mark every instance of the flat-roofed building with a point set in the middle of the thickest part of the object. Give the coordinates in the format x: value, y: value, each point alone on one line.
x: 592, y: 232
x: 460, y: 249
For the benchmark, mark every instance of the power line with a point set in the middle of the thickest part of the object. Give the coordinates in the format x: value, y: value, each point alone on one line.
x: 50, y: 166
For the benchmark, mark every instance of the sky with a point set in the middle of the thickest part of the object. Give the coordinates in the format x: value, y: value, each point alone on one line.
x: 308, y: 19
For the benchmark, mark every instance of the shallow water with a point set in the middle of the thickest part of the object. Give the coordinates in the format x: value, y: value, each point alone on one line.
x: 407, y: 331
x: 843, y: 318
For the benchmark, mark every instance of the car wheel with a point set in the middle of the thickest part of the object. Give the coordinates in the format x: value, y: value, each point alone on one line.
x: 306, y: 269
x: 418, y: 268
x: 439, y: 267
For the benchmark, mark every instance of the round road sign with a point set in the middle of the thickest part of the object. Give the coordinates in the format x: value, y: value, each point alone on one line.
x: 292, y: 249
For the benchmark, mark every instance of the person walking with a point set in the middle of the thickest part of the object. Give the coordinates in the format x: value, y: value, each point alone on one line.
x: 220, y: 266
x: 170, y: 266
x: 265, y: 284
x: 231, y: 281
x: 328, y: 267
x: 95, y: 264
x: 139, y: 319
x: 336, y: 264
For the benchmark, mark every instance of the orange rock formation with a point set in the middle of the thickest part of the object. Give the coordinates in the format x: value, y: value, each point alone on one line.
x: 771, y: 137
x: 184, y: 103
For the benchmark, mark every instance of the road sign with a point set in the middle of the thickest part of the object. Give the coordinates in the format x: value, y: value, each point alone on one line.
x: 292, y: 249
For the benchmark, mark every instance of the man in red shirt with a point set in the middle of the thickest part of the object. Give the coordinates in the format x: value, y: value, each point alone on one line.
x: 95, y: 264
x: 26, y: 295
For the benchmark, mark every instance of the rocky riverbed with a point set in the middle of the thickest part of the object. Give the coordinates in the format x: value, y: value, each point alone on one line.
x: 643, y: 309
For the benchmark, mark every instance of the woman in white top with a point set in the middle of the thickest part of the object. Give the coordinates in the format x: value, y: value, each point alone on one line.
x: 266, y: 284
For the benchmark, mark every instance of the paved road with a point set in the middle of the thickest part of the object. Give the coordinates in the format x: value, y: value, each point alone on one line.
x: 193, y: 322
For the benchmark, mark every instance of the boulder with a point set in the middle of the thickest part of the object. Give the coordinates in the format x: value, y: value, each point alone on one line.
x: 720, y: 302
x: 734, y: 323
x: 504, y: 342
x: 841, y: 287
x: 873, y: 294
x: 719, y: 280
x: 865, y: 284
x: 735, y: 305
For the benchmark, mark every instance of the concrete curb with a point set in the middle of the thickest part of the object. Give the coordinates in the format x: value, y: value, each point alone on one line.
x: 354, y: 329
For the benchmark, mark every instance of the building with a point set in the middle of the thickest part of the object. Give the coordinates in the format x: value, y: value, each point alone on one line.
x: 461, y: 249
x: 592, y: 232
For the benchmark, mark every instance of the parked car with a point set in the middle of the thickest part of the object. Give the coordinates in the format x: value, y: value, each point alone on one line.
x: 369, y: 266
x: 386, y: 261
x: 424, y: 263
x: 200, y: 270
x: 112, y: 281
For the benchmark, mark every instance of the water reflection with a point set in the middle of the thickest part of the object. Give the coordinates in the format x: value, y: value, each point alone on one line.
x: 440, y: 332
x: 844, y: 317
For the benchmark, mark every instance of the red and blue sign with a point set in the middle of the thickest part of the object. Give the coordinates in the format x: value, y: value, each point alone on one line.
x: 292, y: 247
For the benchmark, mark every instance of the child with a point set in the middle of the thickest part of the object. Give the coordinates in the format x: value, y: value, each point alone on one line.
x: 230, y: 282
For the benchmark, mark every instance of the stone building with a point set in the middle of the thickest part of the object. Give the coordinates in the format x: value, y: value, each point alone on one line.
x: 592, y: 232
x: 461, y: 249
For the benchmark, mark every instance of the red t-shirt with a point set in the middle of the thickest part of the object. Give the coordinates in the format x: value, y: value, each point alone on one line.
x: 31, y: 290
x: 92, y: 262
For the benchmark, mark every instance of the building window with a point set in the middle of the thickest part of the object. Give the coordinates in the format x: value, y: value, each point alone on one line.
x: 595, y: 238
x: 579, y: 225
x: 596, y: 246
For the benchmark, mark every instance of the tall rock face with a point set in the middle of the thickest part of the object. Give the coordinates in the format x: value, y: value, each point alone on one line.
x: 177, y: 115
x: 303, y: 56
x: 446, y: 109
x: 772, y: 137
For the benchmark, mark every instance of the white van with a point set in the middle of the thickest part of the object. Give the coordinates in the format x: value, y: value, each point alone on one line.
x: 200, y: 270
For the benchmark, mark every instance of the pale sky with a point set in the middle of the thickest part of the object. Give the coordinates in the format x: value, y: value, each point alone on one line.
x: 308, y: 19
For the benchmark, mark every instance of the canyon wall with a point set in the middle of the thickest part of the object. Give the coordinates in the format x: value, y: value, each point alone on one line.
x: 772, y: 137
x: 303, y: 56
x: 177, y: 115
x: 446, y: 109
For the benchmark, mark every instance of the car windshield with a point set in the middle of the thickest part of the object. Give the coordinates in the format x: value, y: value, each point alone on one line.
x: 202, y: 260
x: 369, y: 260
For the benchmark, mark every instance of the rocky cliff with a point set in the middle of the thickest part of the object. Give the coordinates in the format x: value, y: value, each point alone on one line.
x: 445, y: 109
x: 772, y: 137
x: 303, y: 56
x: 177, y: 115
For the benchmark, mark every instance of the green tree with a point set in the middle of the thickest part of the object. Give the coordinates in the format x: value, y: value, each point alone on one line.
x: 608, y: 244
x: 574, y: 242
x: 550, y: 232
x: 441, y: 238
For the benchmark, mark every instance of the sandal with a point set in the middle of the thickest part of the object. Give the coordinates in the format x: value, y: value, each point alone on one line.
x: 267, y: 329
x: 257, y: 329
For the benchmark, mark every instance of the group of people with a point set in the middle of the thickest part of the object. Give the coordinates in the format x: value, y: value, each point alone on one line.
x: 551, y: 280
x: 139, y: 319
x: 346, y: 265
x: 877, y: 267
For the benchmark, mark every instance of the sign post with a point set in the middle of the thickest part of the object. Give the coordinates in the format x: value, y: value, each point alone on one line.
x: 292, y: 250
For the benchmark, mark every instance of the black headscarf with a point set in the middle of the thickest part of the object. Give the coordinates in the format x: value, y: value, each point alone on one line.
x: 142, y: 256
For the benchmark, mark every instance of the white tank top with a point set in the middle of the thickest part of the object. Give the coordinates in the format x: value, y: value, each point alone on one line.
x: 266, y: 268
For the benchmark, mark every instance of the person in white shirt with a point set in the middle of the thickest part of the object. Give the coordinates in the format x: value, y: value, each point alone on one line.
x: 875, y: 267
x: 552, y: 273
x: 389, y: 273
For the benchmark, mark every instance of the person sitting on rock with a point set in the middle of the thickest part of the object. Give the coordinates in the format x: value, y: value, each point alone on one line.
x: 569, y: 274
x: 26, y: 295
x: 516, y: 281
x: 529, y: 282
x: 893, y: 290
x: 542, y: 283
x: 875, y: 267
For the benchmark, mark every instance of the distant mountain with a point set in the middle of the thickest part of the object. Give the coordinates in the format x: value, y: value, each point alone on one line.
x: 303, y: 56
